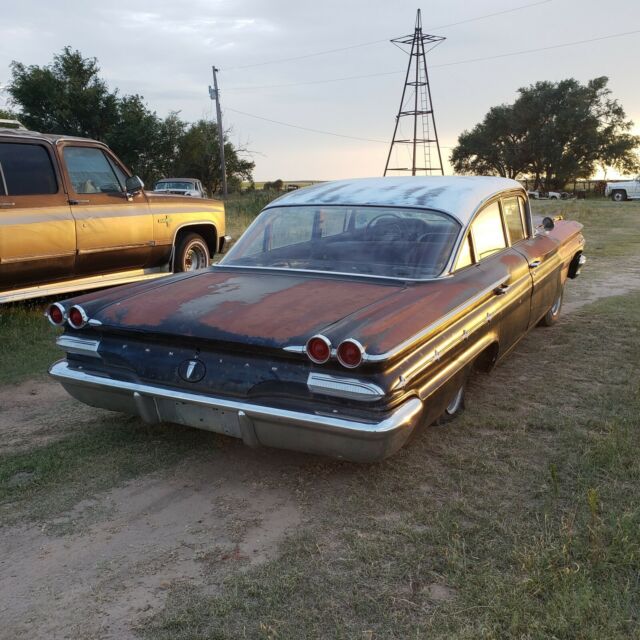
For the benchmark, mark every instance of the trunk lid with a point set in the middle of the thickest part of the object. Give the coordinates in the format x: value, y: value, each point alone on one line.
x: 251, y: 307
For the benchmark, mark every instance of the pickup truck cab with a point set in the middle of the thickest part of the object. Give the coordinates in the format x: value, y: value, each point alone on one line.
x: 621, y: 191
x: 73, y: 217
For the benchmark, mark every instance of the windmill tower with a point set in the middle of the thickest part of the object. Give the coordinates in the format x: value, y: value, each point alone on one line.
x: 415, y: 137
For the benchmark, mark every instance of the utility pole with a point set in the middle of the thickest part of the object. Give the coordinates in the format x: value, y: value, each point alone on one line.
x: 214, y: 94
x: 419, y: 108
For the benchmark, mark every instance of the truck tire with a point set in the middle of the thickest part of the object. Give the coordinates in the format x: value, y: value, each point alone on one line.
x: 192, y: 253
x: 619, y: 195
x: 551, y: 317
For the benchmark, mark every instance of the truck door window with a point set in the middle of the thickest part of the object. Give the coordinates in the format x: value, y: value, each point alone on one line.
x: 488, y: 233
x: 27, y: 170
x: 120, y: 174
x: 513, y: 219
x: 90, y: 171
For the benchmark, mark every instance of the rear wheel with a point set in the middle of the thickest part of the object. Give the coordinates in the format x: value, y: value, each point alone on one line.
x: 192, y: 253
x: 551, y: 317
x: 619, y: 196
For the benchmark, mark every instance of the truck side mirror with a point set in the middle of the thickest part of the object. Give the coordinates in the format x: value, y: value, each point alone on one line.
x: 133, y: 185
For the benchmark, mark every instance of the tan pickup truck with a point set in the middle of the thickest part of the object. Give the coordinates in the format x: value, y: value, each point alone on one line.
x: 72, y: 217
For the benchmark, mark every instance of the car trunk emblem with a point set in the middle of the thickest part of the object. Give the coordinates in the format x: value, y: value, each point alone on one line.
x: 192, y: 370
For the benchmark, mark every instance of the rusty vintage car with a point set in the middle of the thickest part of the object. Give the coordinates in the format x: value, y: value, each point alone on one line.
x: 72, y: 217
x: 348, y: 314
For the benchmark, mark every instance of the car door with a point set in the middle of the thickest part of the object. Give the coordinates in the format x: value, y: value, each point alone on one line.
x: 499, y: 263
x: 37, y: 230
x: 114, y: 231
x: 545, y: 266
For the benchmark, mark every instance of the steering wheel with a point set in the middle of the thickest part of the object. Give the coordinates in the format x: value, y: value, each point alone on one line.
x: 394, y: 226
x: 374, y: 221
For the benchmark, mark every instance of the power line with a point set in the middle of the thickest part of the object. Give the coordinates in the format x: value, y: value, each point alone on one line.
x: 295, y: 126
x: 372, y: 42
x: 435, y: 66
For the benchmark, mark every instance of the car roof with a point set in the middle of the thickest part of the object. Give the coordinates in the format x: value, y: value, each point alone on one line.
x: 459, y: 196
x: 177, y: 180
x: 53, y: 138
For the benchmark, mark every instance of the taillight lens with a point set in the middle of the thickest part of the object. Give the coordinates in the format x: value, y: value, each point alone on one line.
x: 55, y: 314
x: 77, y: 317
x: 350, y: 353
x: 318, y: 349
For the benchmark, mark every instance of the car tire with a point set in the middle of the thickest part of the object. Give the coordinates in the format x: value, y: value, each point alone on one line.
x: 551, y: 317
x: 192, y: 253
x: 455, y: 407
x: 619, y: 195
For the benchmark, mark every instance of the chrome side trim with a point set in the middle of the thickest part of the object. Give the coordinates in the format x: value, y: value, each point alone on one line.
x: 435, y: 325
x: 326, y: 384
x: 76, y: 344
x: 295, y: 348
x: 465, y: 358
x: 432, y: 327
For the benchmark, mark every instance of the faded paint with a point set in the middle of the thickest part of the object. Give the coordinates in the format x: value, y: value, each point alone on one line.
x: 456, y: 195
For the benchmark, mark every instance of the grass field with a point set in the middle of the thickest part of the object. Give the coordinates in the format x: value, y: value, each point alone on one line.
x: 520, y: 519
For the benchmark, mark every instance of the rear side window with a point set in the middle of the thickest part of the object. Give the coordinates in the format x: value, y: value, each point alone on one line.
x: 90, y: 171
x: 26, y: 170
x: 487, y: 231
x: 513, y: 219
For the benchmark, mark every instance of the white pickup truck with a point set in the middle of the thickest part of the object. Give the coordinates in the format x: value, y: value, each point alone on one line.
x: 620, y: 191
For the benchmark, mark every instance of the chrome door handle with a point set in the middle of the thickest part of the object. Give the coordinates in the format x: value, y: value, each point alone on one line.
x: 535, y: 263
x: 502, y: 289
x: 74, y: 201
x: 7, y: 204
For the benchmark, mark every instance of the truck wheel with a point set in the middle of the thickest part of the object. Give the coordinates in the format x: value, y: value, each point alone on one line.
x: 619, y: 196
x: 192, y: 253
x: 551, y: 317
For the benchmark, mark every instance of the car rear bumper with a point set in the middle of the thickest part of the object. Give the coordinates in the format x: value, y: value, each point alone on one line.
x: 319, y: 433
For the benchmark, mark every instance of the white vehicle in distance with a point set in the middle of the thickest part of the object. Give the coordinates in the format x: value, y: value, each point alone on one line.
x: 544, y: 195
x: 181, y: 186
x: 621, y: 191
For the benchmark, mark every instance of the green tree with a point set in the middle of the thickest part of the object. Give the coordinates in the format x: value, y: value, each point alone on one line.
x: 66, y: 97
x: 199, y: 156
x: 553, y: 132
x: 5, y: 114
x: 69, y: 97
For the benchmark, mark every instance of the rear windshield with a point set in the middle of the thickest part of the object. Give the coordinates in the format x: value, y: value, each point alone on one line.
x: 379, y: 241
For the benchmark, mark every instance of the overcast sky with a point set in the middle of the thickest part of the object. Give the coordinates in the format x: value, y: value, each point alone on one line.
x: 164, y: 50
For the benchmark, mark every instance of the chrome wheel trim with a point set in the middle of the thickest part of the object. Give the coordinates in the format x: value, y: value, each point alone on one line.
x: 456, y: 402
x: 195, y: 257
x: 555, y: 309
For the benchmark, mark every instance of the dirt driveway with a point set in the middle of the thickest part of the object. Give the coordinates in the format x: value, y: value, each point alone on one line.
x: 98, y: 569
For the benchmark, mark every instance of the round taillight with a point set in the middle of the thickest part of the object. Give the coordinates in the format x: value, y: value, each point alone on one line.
x: 77, y: 317
x: 318, y: 349
x: 350, y: 353
x: 55, y: 314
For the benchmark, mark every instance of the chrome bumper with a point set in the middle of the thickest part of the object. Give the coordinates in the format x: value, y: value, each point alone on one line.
x: 324, y: 434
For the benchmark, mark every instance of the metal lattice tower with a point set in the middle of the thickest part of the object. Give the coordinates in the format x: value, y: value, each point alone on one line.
x: 416, y: 103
